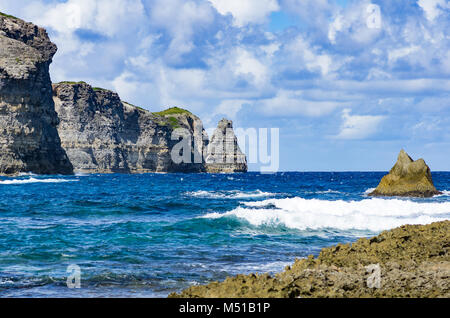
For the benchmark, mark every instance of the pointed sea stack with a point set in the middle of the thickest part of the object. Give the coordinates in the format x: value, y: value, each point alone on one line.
x: 29, y: 141
x: 223, y: 152
x: 408, y: 178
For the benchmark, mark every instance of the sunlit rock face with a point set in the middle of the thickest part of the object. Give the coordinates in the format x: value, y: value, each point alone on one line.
x: 223, y: 152
x: 29, y: 140
x: 408, y: 178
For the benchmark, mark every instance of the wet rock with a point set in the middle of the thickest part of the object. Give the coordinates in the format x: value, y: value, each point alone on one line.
x: 417, y: 267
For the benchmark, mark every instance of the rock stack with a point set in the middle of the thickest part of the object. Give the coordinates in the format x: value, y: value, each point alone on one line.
x: 224, y: 154
x: 408, y: 178
x: 71, y: 126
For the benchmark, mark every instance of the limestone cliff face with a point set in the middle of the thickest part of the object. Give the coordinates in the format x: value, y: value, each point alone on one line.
x: 223, y: 152
x: 407, y: 178
x: 102, y: 134
x: 57, y: 129
x: 29, y: 141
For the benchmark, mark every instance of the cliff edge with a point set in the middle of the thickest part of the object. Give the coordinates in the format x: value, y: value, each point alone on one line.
x: 103, y: 134
x: 56, y: 129
x: 29, y: 141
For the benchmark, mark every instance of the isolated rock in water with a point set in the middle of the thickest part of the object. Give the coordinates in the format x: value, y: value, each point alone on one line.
x: 29, y: 141
x: 407, y: 178
x: 223, y: 152
x: 103, y: 134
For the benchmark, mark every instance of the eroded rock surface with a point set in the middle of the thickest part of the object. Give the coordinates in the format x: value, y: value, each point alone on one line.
x: 407, y: 178
x: 102, y: 134
x: 29, y: 141
x: 223, y: 152
x: 414, y: 261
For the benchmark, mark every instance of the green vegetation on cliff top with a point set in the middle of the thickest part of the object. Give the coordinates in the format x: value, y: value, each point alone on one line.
x: 173, y: 111
x: 71, y: 82
x: 8, y: 16
x: 169, y: 113
x: 100, y: 89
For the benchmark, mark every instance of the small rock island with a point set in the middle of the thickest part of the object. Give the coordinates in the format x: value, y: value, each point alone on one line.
x: 408, y: 178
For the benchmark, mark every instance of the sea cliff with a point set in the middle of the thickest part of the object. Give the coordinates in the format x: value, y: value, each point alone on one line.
x: 72, y: 126
x: 29, y: 140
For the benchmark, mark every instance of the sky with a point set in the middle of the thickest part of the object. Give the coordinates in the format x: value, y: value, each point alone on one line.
x: 348, y: 83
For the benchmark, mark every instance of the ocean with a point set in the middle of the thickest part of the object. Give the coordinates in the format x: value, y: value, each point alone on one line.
x: 152, y: 234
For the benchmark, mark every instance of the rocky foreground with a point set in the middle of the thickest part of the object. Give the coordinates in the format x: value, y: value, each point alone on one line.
x: 414, y: 262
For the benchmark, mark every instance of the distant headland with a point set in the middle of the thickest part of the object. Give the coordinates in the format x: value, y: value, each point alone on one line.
x: 73, y: 127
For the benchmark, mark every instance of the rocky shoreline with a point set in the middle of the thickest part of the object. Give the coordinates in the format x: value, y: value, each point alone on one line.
x: 413, y: 261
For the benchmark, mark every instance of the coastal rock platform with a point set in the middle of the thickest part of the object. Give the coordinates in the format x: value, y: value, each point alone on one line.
x: 413, y: 261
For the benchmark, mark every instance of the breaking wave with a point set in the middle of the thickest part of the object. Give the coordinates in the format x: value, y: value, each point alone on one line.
x: 233, y: 194
x: 34, y: 180
x: 368, y: 191
x: 370, y: 214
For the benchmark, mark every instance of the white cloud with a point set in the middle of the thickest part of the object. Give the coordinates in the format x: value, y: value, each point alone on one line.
x: 433, y: 8
x: 361, y: 22
x: 181, y: 19
x: 246, y: 11
x: 287, y: 103
x: 316, y: 13
x: 396, y: 54
x: 308, y: 57
x: 358, y: 127
x: 230, y: 107
x: 108, y: 17
x: 247, y: 65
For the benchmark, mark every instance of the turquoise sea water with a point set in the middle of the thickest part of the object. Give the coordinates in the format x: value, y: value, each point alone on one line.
x: 149, y: 235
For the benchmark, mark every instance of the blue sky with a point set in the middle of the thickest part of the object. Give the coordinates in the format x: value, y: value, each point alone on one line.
x: 349, y: 83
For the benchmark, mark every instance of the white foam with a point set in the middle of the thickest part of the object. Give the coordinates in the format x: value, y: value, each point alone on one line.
x: 26, y: 174
x: 370, y: 214
x: 328, y: 191
x: 81, y: 174
x: 34, y: 180
x: 445, y: 193
x: 370, y: 190
x: 233, y: 194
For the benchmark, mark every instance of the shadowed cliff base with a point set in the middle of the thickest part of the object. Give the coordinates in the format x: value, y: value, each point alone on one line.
x: 414, y: 261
